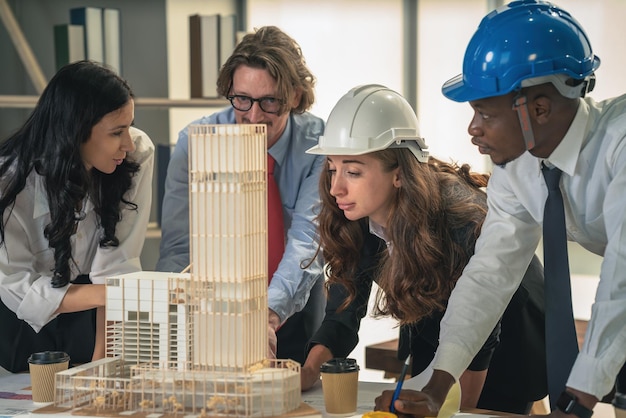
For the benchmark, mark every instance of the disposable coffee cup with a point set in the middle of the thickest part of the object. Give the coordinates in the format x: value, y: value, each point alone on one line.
x: 340, y: 377
x: 619, y: 404
x: 43, y: 367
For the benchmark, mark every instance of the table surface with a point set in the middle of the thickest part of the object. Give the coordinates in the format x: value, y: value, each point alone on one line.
x: 15, y: 399
x: 15, y: 396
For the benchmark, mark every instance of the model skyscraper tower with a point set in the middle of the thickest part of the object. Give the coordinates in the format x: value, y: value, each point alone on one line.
x: 227, y: 166
x: 196, y: 344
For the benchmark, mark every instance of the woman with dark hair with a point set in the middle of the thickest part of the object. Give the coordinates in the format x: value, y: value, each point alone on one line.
x: 75, y: 196
x: 392, y: 214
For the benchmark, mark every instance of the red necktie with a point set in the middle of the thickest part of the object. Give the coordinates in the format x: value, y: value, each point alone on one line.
x: 275, y: 225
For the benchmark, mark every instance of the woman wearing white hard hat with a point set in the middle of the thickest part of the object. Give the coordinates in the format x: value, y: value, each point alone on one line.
x: 395, y: 215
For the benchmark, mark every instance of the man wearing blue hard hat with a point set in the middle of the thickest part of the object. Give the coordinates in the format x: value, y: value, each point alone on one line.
x: 526, y: 72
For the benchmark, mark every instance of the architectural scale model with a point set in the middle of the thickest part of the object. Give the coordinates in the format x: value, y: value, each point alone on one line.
x: 195, y: 344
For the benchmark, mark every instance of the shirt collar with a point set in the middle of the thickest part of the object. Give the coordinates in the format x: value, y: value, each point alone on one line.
x: 379, y: 231
x: 278, y: 151
x: 565, y: 155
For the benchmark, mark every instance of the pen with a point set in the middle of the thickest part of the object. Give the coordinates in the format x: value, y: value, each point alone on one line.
x: 396, y: 393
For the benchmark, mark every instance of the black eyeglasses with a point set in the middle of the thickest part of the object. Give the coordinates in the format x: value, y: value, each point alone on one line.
x: 244, y: 103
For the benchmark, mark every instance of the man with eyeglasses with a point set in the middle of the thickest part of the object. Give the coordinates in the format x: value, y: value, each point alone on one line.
x: 267, y: 81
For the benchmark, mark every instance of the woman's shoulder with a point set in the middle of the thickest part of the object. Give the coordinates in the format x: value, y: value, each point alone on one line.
x: 144, y: 147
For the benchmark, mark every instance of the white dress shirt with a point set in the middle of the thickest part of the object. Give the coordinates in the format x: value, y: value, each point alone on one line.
x: 592, y: 157
x: 26, y: 261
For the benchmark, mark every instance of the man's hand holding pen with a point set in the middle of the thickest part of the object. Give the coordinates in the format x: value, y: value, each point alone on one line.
x: 412, y: 403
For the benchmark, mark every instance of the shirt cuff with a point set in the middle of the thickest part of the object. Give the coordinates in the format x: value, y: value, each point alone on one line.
x: 592, y: 375
x: 40, y: 304
x: 277, y: 301
x: 451, y: 358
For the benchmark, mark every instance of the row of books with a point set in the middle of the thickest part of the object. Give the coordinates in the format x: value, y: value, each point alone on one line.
x: 212, y: 39
x: 93, y: 33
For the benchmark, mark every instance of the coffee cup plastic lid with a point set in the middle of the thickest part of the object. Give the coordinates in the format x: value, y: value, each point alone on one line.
x: 339, y: 365
x: 620, y: 400
x: 48, y: 357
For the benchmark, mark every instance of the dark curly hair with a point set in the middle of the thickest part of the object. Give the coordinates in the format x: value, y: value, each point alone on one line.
x: 434, y: 221
x: 77, y: 98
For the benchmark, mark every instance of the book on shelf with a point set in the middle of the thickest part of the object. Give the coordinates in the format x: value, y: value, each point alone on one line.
x: 112, y: 37
x: 204, y: 55
x: 69, y: 44
x: 91, y: 19
x: 162, y: 161
x: 228, y: 36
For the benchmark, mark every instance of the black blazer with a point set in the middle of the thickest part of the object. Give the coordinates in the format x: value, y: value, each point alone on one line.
x: 514, y: 353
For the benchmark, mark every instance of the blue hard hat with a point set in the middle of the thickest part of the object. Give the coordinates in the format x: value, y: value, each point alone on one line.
x: 521, y: 40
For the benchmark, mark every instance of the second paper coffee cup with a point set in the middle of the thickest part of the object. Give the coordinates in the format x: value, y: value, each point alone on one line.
x: 340, y: 377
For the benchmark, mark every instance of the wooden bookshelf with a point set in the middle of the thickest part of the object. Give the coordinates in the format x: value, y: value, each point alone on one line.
x: 29, y: 102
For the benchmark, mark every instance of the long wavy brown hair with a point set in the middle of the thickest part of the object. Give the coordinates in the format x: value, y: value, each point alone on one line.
x: 434, y: 221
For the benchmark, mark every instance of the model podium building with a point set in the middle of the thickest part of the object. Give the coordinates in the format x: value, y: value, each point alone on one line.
x: 195, y: 344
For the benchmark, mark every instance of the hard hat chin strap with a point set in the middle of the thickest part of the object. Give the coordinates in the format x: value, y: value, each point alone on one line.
x: 520, y: 105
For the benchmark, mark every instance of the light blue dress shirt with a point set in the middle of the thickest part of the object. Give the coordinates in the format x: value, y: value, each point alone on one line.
x: 592, y: 156
x: 297, y: 174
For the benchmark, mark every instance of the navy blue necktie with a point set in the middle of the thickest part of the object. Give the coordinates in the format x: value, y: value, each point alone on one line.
x: 561, y: 341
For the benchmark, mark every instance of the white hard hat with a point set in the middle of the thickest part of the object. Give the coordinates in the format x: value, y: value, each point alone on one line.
x: 371, y: 118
